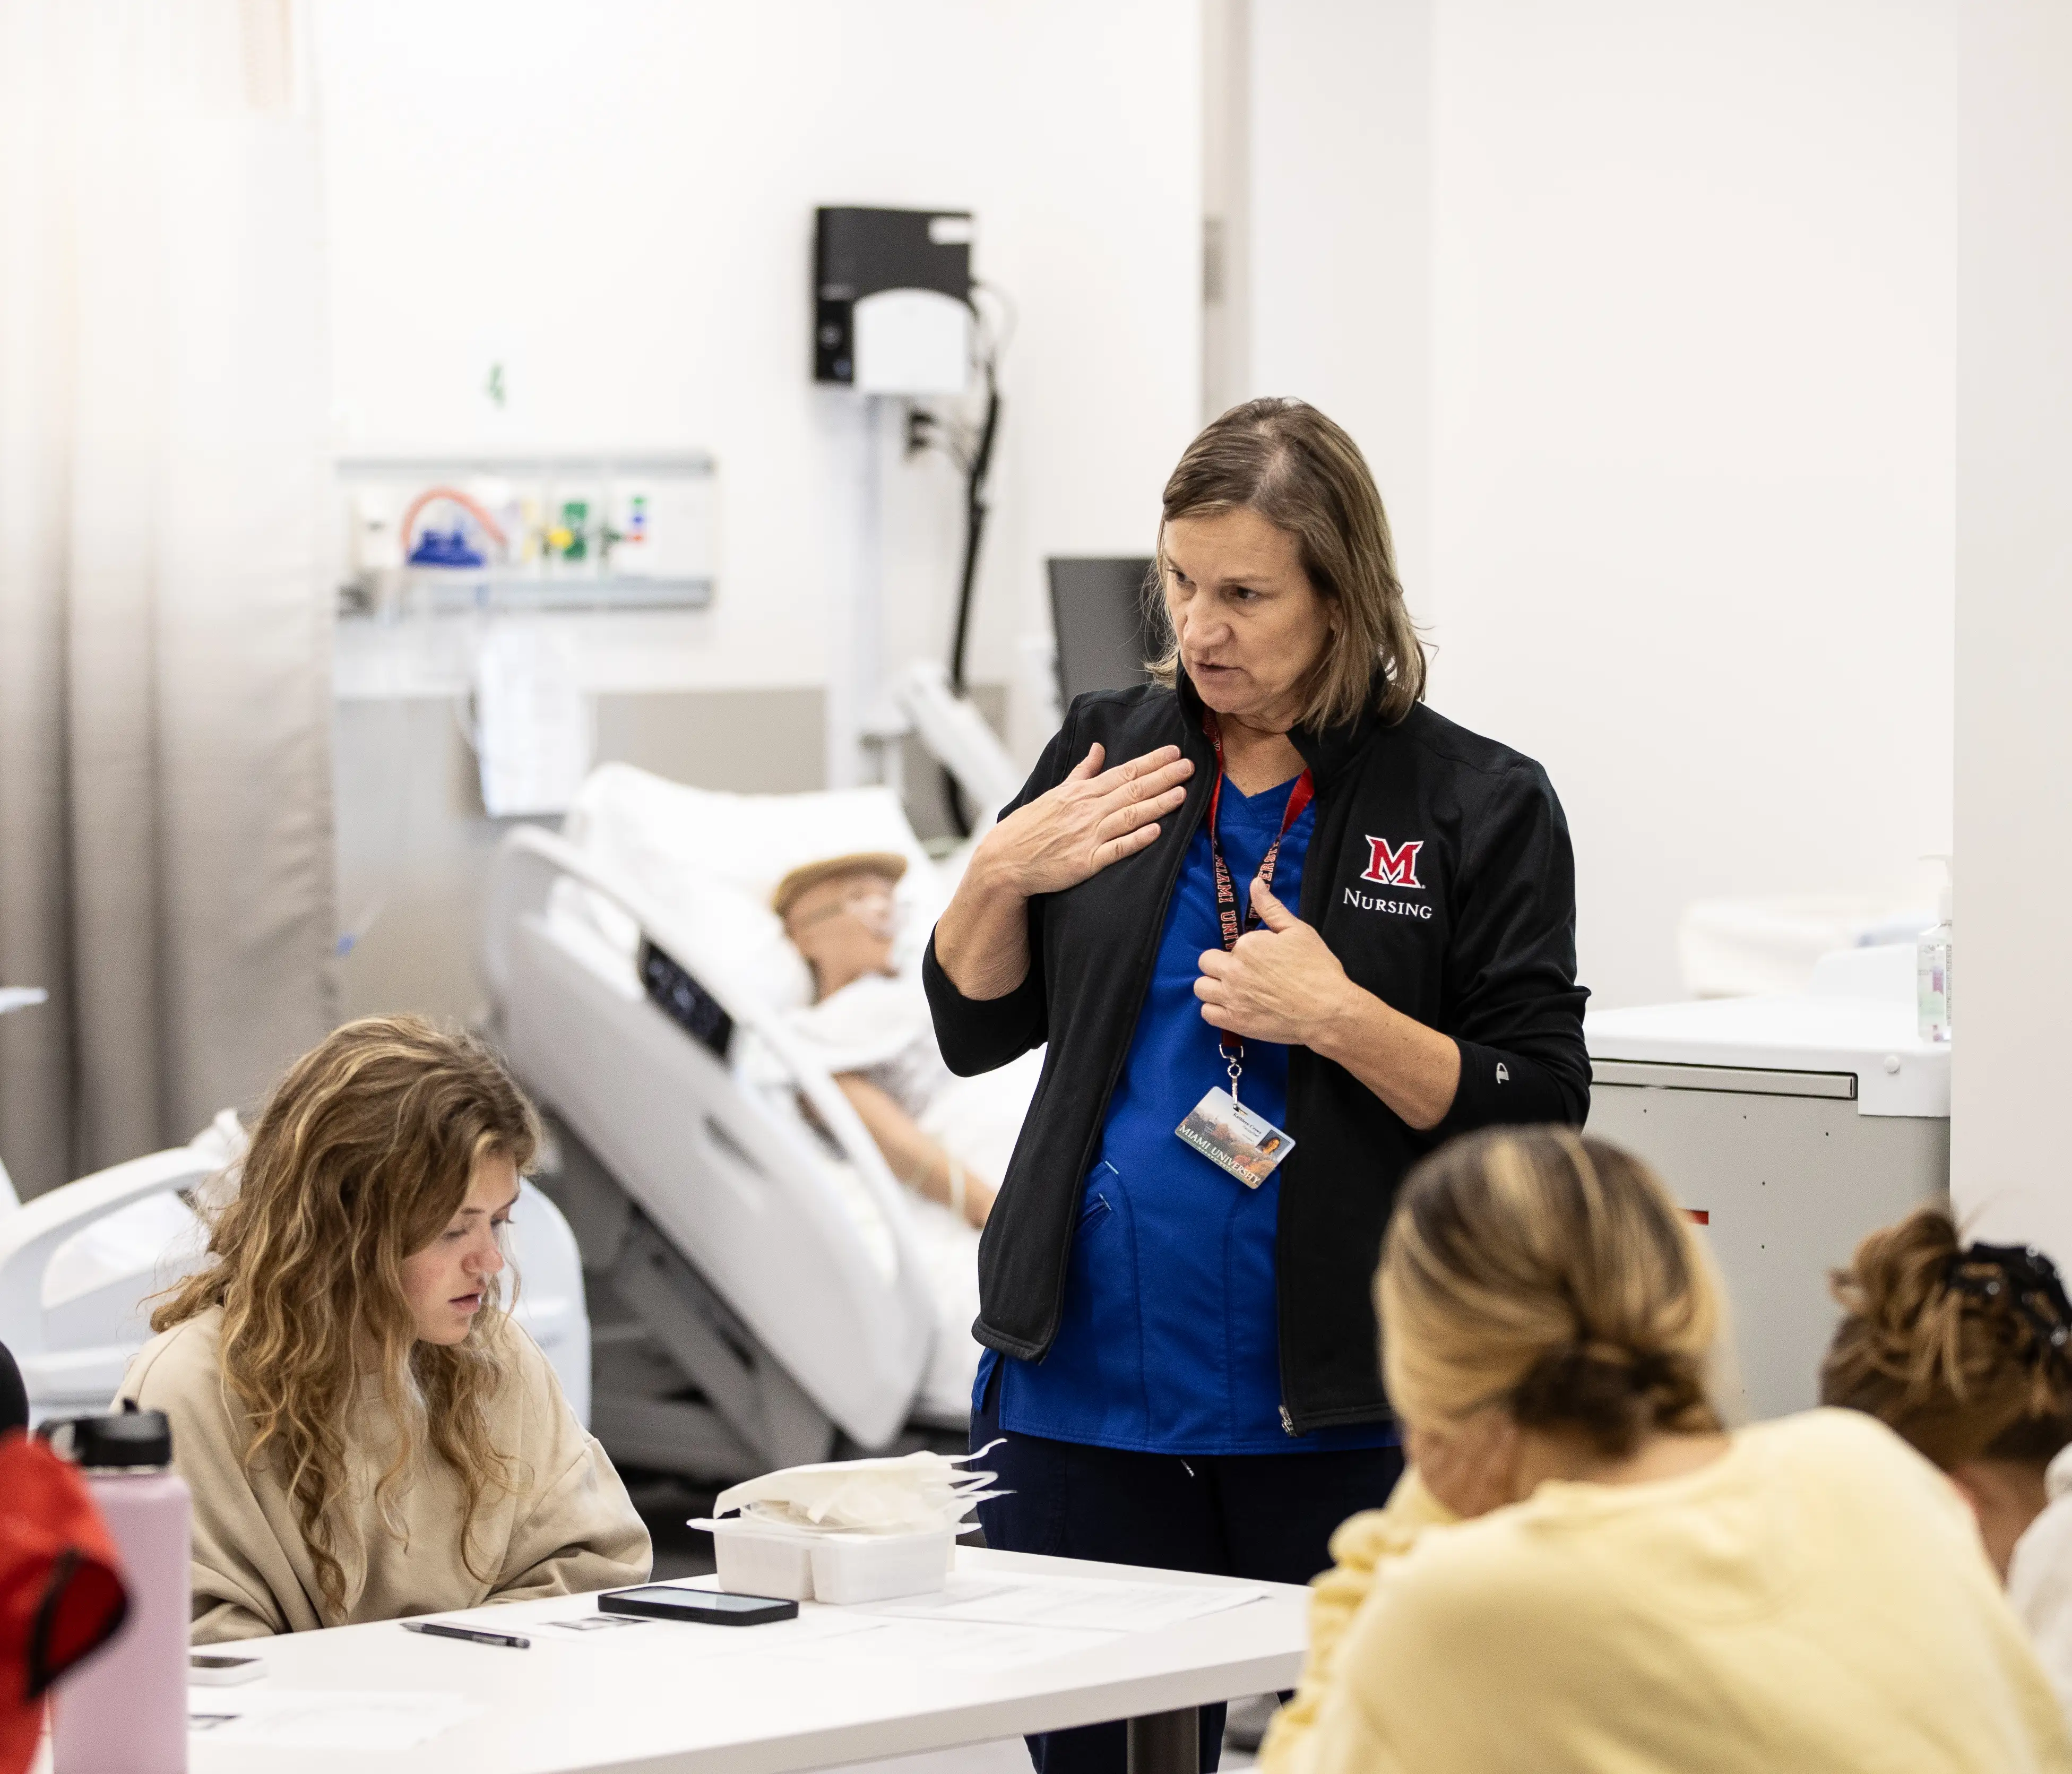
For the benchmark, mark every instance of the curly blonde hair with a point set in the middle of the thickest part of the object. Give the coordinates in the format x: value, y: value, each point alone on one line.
x: 363, y: 1154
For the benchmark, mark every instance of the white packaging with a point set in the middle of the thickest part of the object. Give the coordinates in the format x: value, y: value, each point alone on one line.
x: 899, y: 1494
x: 755, y: 1561
x: 875, y: 1567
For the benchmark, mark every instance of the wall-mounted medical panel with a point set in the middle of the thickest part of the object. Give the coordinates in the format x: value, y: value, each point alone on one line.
x: 433, y: 535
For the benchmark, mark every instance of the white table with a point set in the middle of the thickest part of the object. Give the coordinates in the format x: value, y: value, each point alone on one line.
x: 691, y: 1698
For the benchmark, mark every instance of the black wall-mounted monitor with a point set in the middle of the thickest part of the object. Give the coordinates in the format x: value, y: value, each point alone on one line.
x: 1099, y: 613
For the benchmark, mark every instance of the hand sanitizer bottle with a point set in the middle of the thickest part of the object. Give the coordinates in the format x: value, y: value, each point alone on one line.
x: 1932, y: 967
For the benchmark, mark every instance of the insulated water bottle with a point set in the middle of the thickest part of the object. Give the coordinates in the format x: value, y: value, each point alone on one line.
x: 125, y: 1710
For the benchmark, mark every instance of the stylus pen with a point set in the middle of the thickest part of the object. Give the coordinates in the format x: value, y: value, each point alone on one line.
x: 468, y: 1632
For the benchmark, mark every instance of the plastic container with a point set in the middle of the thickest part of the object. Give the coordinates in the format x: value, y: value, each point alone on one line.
x: 759, y: 1561
x: 875, y: 1567
x: 125, y: 1710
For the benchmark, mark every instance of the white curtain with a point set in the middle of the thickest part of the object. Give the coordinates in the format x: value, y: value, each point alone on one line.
x: 164, y: 806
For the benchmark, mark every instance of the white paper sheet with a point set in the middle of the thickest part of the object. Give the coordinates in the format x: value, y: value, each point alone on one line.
x: 1083, y: 1603
x: 535, y: 729
x: 321, y: 1718
x: 941, y: 1644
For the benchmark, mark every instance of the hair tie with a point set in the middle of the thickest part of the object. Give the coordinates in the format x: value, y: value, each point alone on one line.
x: 2026, y: 1280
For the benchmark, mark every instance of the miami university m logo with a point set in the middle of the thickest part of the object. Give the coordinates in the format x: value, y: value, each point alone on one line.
x: 1393, y: 866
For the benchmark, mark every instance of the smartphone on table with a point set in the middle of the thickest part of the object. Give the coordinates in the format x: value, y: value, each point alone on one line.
x: 700, y: 1607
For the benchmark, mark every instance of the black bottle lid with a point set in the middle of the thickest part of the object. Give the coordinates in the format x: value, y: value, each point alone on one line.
x: 132, y: 1438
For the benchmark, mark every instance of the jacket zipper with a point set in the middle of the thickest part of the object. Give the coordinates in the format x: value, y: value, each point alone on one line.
x: 1287, y: 1417
x: 1100, y: 1120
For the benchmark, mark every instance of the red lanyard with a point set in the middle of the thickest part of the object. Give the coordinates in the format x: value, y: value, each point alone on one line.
x: 1231, y: 922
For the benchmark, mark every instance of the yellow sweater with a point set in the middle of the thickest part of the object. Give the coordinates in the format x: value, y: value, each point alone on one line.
x: 568, y: 1526
x: 1814, y: 1600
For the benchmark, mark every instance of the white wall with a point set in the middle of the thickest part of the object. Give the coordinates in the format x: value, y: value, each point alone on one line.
x: 1688, y: 532
x: 1339, y: 202
x: 615, y: 200
x: 2013, y: 968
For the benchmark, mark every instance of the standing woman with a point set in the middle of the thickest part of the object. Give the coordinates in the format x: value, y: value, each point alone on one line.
x: 1272, y: 874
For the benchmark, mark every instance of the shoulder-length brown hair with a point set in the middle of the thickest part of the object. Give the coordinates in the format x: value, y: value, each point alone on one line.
x: 1284, y: 460
x: 363, y: 1153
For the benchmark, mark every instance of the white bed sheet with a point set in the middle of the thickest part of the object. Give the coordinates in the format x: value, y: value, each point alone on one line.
x: 713, y: 859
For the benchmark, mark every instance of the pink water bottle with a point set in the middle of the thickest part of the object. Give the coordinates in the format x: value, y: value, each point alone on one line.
x: 125, y: 1710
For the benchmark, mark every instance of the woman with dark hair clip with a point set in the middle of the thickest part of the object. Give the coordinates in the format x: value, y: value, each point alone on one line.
x: 1966, y: 1352
x: 1283, y: 929
x: 1584, y: 1571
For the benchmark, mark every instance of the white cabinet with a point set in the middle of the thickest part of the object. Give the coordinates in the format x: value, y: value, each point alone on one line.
x: 1788, y: 1127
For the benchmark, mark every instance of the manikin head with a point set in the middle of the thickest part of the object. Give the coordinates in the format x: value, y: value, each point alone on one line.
x: 841, y: 916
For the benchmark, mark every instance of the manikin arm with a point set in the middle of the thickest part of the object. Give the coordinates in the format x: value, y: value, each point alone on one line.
x: 914, y: 1159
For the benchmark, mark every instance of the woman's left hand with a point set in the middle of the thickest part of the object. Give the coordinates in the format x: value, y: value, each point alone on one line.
x: 1280, y: 983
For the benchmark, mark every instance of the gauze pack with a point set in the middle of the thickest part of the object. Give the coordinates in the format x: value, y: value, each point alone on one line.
x: 912, y: 1493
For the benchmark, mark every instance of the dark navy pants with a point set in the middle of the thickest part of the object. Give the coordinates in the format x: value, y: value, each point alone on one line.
x: 1267, y: 1516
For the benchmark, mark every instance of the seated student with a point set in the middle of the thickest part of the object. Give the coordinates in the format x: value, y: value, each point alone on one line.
x: 1585, y: 1571
x: 1966, y: 1352
x: 366, y: 1433
x: 871, y: 1025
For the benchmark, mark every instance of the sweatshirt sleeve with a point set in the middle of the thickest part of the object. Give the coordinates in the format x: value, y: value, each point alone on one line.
x: 577, y: 1530
x: 1519, y: 1015
x: 980, y: 1034
x: 242, y: 1581
x: 1295, y: 1744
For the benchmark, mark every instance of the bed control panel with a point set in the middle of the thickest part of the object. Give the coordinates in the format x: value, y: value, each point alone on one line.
x: 684, y: 1001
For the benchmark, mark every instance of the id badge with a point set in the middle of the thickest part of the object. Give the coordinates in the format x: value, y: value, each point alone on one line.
x: 1227, y: 1133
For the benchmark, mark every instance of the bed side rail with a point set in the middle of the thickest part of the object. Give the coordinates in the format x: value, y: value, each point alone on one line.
x: 958, y: 737
x: 30, y: 1234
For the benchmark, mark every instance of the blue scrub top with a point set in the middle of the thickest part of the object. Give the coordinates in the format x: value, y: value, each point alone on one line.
x: 1169, y: 1343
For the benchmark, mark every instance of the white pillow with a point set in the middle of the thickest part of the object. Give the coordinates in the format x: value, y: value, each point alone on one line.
x: 712, y: 860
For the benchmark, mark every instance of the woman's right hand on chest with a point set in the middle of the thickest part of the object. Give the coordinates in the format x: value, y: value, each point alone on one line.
x: 1094, y: 817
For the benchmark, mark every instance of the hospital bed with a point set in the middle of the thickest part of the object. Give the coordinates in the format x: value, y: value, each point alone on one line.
x: 79, y: 1266
x: 782, y: 1295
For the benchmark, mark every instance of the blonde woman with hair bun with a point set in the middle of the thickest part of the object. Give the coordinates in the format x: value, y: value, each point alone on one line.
x: 366, y: 1433
x: 1585, y: 1570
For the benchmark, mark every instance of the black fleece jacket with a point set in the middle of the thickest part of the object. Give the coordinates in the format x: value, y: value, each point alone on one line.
x: 1441, y: 875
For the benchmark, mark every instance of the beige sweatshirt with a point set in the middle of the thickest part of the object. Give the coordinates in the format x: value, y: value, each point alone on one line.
x: 568, y: 1527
